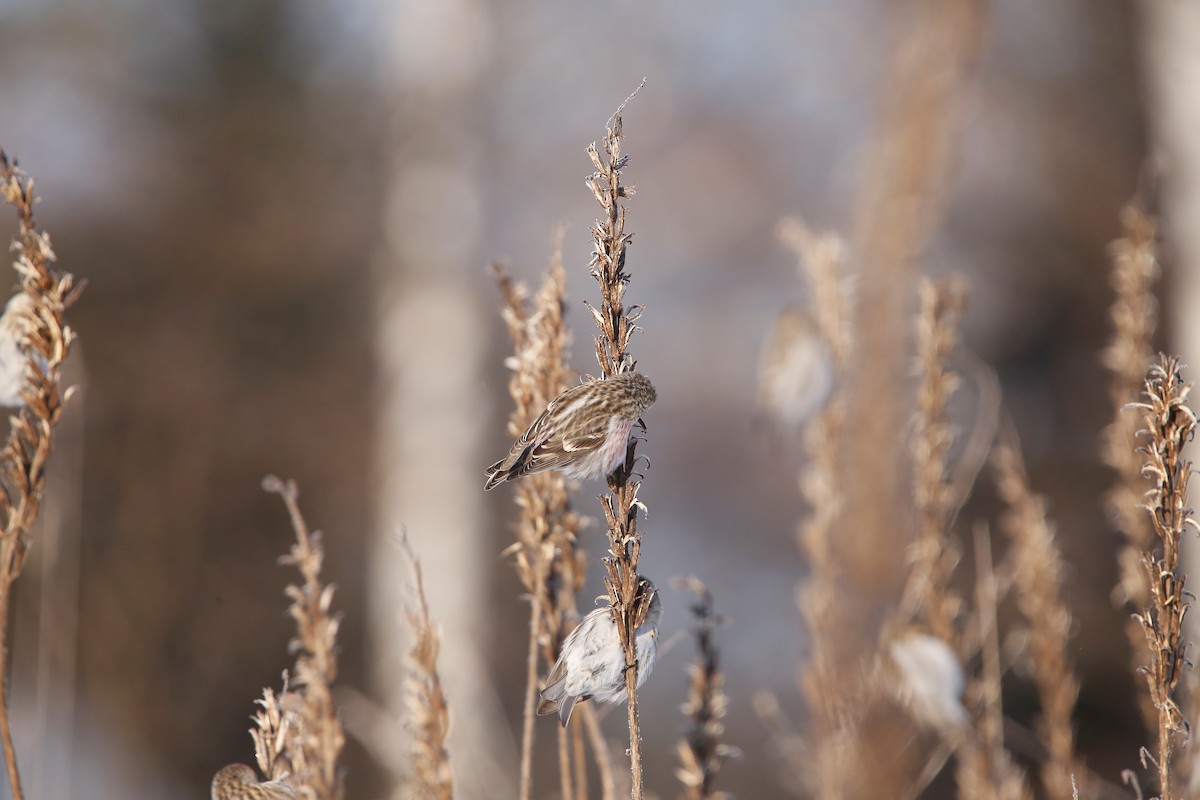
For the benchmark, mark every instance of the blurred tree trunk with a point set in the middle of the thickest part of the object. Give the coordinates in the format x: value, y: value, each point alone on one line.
x: 430, y: 341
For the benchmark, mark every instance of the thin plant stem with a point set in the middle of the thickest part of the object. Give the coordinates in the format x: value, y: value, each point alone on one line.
x: 531, y: 691
x: 10, y: 752
x: 608, y: 787
x: 626, y: 590
x: 580, y: 759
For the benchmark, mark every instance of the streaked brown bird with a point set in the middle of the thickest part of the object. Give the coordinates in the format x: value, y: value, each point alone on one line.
x: 583, y: 433
x: 240, y: 782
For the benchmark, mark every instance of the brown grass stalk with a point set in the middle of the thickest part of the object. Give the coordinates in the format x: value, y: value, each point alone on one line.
x: 1038, y: 581
x: 820, y: 263
x: 1168, y: 425
x: 599, y: 745
x: 546, y: 559
x: 1134, y: 318
x: 315, y: 751
x: 432, y: 777
x: 829, y: 688
x: 616, y: 324
x: 702, y: 751
x: 985, y: 768
x: 928, y: 595
x: 46, y: 341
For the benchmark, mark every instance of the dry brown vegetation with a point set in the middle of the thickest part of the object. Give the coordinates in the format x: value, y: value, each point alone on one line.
x: 904, y: 678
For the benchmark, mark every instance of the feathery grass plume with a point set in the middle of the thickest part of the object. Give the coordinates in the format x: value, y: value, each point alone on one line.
x: 549, y: 566
x: 985, y: 769
x: 1038, y: 580
x: 934, y: 555
x: 701, y: 751
x: 1134, y: 317
x: 276, y: 732
x: 830, y: 688
x: 314, y: 749
x: 627, y: 593
x: 45, y: 340
x: 902, y: 200
x: 1168, y: 426
x: 425, y: 698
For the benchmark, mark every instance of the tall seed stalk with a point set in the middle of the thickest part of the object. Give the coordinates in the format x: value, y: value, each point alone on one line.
x: 616, y: 324
x: 46, y: 339
x: 1168, y: 424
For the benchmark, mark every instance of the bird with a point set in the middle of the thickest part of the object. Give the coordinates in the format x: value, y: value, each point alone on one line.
x: 583, y: 432
x: 14, y: 363
x: 591, y: 665
x: 929, y: 680
x: 240, y: 782
x: 796, y: 371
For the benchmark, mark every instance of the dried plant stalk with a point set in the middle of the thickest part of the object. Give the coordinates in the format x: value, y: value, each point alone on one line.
x: 313, y: 753
x: 702, y: 751
x: 933, y: 556
x: 549, y: 566
x: 1038, y: 580
x: 829, y: 688
x: 1168, y: 426
x: 1134, y: 317
x: 626, y: 593
x: 45, y: 340
x: 985, y: 769
x: 425, y: 698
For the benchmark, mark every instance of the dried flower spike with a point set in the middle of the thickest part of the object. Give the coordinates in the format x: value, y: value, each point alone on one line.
x: 592, y: 663
x: 239, y: 782
x: 583, y: 433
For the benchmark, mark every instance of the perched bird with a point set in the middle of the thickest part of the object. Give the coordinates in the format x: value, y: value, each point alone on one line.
x: 583, y: 433
x: 796, y: 371
x: 929, y: 680
x: 13, y: 361
x: 239, y: 782
x: 592, y: 663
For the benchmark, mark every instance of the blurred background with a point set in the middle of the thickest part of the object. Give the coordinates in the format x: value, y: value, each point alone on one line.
x: 284, y: 210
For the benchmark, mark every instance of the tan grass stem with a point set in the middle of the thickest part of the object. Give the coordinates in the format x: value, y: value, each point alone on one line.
x: 933, y: 555
x: 985, y: 769
x: 1168, y: 424
x: 547, y: 562
x: 626, y: 593
x: 1133, y: 317
x: 702, y: 751
x: 1038, y: 580
x: 46, y: 341
x: 432, y: 776
x: 820, y: 263
x: 315, y: 643
x: 599, y: 746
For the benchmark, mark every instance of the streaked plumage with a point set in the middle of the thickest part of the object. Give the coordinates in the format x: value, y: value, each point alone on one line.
x: 592, y: 663
x: 796, y: 371
x: 583, y: 432
x: 240, y: 782
x: 13, y: 361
